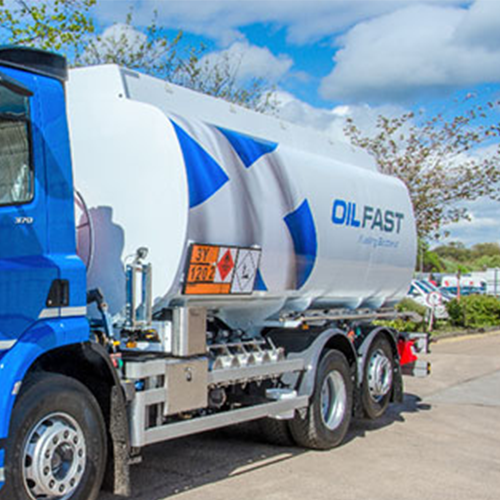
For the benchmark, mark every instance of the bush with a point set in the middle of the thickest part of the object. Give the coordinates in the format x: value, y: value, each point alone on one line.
x: 404, y: 325
x: 474, y: 311
x: 409, y: 305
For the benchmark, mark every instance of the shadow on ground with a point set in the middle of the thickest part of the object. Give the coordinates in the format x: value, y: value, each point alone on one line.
x: 395, y: 413
x: 185, y: 464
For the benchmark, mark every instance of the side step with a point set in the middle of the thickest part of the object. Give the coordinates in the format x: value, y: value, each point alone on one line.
x: 201, y: 424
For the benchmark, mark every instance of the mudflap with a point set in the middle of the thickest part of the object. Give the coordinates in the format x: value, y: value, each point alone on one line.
x: 397, y: 388
x: 117, y: 478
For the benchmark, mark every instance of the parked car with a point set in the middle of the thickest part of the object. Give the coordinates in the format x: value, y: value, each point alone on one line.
x: 430, y: 296
x: 464, y: 290
x: 448, y: 292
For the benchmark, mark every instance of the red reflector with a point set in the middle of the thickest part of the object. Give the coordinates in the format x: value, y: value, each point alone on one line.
x: 406, y: 354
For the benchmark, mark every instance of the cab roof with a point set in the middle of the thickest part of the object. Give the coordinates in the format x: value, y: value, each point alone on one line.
x: 35, y: 61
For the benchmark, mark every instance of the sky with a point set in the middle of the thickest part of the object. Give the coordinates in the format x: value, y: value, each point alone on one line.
x: 330, y: 59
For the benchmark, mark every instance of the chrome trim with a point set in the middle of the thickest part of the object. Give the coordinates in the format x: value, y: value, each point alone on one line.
x: 73, y: 311
x: 62, y: 312
x: 49, y: 313
x: 2, y: 475
x: 6, y: 344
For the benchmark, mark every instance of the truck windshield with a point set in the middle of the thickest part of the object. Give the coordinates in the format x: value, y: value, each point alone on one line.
x: 16, y: 174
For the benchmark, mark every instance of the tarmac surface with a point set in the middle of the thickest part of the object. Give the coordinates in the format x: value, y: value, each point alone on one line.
x: 442, y: 442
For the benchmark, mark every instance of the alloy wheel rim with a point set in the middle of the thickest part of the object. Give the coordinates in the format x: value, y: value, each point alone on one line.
x: 379, y: 375
x: 54, y: 458
x: 333, y: 400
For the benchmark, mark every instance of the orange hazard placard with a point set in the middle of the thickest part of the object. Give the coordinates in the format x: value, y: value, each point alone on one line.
x: 204, y: 254
x: 211, y: 270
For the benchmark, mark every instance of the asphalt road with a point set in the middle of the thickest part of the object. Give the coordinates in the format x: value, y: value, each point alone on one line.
x: 442, y: 442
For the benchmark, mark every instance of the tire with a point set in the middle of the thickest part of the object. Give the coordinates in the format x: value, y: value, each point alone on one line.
x: 328, y: 415
x: 378, y: 378
x: 276, y: 432
x: 57, y: 442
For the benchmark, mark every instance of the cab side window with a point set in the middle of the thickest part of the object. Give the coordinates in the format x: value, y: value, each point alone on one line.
x: 16, y: 172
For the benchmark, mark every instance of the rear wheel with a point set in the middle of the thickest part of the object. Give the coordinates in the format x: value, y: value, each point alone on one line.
x: 378, y: 378
x: 57, y: 443
x: 328, y: 415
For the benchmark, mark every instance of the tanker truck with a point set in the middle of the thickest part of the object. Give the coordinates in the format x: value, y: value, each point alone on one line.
x: 171, y: 263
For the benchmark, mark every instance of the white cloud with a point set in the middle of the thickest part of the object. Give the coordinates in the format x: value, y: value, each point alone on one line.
x: 120, y: 32
x: 332, y: 121
x: 305, y: 21
x: 480, y: 27
x: 419, y: 48
x: 250, y: 61
x: 483, y: 226
x: 296, y: 111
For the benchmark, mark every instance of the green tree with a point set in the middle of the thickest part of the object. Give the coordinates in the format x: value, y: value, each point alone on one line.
x: 455, y: 251
x: 439, y: 159
x: 485, y: 250
x: 432, y: 263
x: 59, y: 25
x: 67, y: 26
x: 456, y: 256
x: 153, y: 52
x: 487, y: 262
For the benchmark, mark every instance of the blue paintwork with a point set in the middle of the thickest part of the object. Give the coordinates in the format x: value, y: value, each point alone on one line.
x: 259, y: 285
x: 205, y: 175
x: 249, y: 149
x: 43, y: 337
x: 25, y: 271
x: 303, y: 232
x: 33, y: 255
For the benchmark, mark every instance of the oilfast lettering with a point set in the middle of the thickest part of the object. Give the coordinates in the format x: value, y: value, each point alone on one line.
x: 354, y: 222
x: 339, y: 212
x: 389, y: 221
x: 367, y: 215
x: 377, y: 220
x: 399, y: 217
x: 344, y: 213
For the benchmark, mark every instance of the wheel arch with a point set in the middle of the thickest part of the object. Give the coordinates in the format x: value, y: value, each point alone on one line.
x: 63, y: 347
x: 86, y: 362
x: 43, y: 337
x: 90, y: 364
x: 331, y: 339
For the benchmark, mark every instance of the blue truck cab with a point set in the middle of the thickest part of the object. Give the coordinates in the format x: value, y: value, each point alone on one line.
x: 42, y: 280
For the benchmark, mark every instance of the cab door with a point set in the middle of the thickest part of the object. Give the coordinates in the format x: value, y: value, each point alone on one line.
x: 26, y: 274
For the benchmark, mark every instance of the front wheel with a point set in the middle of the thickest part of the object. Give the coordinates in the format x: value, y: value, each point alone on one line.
x: 328, y: 415
x: 57, y: 443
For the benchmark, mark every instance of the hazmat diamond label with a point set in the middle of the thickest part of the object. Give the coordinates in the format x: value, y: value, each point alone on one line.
x: 225, y: 265
x: 220, y: 270
x: 245, y: 271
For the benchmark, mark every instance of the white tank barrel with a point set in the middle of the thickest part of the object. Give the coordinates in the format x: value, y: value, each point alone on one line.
x: 163, y: 167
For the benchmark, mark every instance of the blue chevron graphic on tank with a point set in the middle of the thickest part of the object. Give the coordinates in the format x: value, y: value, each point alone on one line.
x: 230, y: 169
